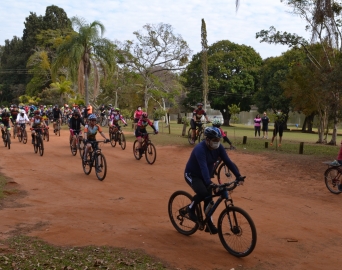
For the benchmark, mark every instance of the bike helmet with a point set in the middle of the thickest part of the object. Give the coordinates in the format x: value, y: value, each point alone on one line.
x: 199, y: 104
x: 216, y: 123
x: 212, y: 133
x: 117, y: 109
x: 144, y: 115
x: 92, y: 117
x: 36, y: 112
x: 66, y: 106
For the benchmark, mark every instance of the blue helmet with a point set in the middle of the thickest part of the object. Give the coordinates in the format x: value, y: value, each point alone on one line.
x: 92, y: 116
x: 212, y: 132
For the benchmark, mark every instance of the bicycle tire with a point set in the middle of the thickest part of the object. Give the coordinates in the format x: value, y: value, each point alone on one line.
x: 81, y: 147
x: 150, y: 153
x: 47, y: 135
x: 100, y: 168
x: 88, y: 165
x: 136, y: 151
x: 178, y: 215
x: 112, y: 140
x: 238, y: 233
x: 224, y: 173
x: 200, y: 136
x: 40, y: 146
x: 20, y: 136
x: 72, y: 150
x: 14, y: 132
x: 190, y: 136
x: 35, y: 145
x: 8, y: 140
x: 332, y: 178
x: 24, y: 136
x: 122, y: 141
x: 59, y: 130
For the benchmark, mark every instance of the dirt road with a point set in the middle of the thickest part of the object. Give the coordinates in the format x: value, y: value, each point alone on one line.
x: 285, y: 196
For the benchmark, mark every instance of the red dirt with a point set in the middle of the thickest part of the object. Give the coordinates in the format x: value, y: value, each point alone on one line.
x: 285, y: 195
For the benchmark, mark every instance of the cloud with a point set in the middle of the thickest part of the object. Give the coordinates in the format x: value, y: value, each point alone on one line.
x: 122, y: 18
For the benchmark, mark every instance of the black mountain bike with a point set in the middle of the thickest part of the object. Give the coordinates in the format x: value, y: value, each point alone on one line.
x: 22, y: 135
x: 78, y: 143
x: 199, y: 135
x: 7, y: 137
x: 236, y: 228
x: 38, y: 144
x: 147, y: 147
x: 95, y: 159
x: 58, y: 127
x: 116, y: 135
x: 221, y: 171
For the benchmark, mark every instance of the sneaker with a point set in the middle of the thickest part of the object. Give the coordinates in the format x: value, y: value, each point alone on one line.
x: 211, y: 228
x: 192, y: 215
x: 334, y: 163
x: 339, y: 187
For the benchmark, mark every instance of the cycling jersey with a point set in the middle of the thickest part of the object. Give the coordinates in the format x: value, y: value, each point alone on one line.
x: 5, y: 117
x: 37, y: 121
x: 198, y: 114
x: 224, y: 136
x: 56, y: 113
x: 141, y: 127
x: 14, y: 113
x: 92, y: 131
x: 22, y: 119
x: 75, y: 123
x: 116, y: 118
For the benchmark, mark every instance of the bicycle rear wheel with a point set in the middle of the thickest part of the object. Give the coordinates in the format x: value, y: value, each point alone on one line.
x: 190, y: 136
x: 135, y: 150
x: 237, y: 231
x: 100, y: 166
x: 150, y: 153
x: 333, y: 178
x: 40, y: 145
x: 178, y: 214
x: 122, y: 141
x: 224, y: 175
x: 24, y: 136
x: 87, y: 165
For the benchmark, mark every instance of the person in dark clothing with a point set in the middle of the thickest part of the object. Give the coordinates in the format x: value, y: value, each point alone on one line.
x: 75, y: 123
x: 199, y: 168
x: 265, y: 120
x: 57, y: 116
x: 278, y: 126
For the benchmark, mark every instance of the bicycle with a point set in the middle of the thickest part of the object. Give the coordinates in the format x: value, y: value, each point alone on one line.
x: 102, y: 120
x: 198, y: 134
x: 22, y: 135
x: 147, y: 147
x: 116, y: 135
x: 38, y: 144
x: 6, y: 137
x: 78, y: 142
x: 58, y: 127
x: 221, y: 170
x: 236, y: 228
x: 95, y: 159
x: 333, y: 177
x: 14, y: 131
x: 46, y: 135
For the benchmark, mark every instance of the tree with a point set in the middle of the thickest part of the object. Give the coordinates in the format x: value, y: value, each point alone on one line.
x: 158, y: 49
x: 232, y: 74
x: 63, y: 89
x: 204, y: 62
x: 86, y: 50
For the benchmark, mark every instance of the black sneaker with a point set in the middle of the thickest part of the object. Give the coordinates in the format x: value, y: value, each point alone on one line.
x: 192, y: 214
x: 339, y: 187
x: 211, y: 228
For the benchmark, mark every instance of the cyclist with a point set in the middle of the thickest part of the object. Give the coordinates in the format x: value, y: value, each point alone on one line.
x: 45, y: 118
x: 196, y: 120
x: 57, y: 116
x: 199, y: 169
x: 115, y: 117
x: 37, y: 123
x: 141, y: 129
x: 217, y: 123
x: 22, y: 119
x: 5, y: 121
x: 90, y: 132
x: 137, y: 115
x: 75, y: 123
x: 14, y: 114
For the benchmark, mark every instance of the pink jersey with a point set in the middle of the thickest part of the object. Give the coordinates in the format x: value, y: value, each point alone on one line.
x: 138, y: 114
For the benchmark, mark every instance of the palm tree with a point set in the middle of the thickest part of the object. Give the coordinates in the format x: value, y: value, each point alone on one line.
x: 63, y: 89
x: 83, y: 51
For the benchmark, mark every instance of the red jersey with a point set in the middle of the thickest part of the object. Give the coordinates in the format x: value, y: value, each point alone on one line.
x: 199, y: 113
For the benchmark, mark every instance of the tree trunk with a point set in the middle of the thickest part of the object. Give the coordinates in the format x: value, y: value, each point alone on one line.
x: 86, y: 85
x: 308, y: 123
x: 334, y: 133
x: 226, y: 117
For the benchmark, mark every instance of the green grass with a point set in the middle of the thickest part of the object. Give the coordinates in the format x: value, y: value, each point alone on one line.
x: 31, y: 253
x: 2, y: 185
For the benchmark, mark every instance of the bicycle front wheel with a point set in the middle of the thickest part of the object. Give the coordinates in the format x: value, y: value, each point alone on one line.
x: 20, y: 136
x: 112, y: 139
x: 8, y: 140
x: 136, y: 150
x: 224, y: 175
x: 333, y: 178
x: 40, y: 145
x: 237, y: 231
x: 47, y: 135
x: 190, y: 136
x: 24, y: 136
x: 122, y: 141
x: 178, y: 214
x: 150, y: 153
x: 81, y: 147
x: 100, y: 166
x: 200, y: 136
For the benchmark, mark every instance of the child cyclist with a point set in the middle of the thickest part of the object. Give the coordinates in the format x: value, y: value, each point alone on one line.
x: 141, y: 129
x: 217, y: 124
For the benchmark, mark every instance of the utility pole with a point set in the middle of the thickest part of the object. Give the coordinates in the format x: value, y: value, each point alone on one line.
x: 204, y: 63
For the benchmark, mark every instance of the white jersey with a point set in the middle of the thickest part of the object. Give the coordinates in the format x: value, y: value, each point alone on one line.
x: 22, y: 119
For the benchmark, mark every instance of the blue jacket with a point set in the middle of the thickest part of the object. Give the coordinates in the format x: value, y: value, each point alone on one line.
x: 202, y: 159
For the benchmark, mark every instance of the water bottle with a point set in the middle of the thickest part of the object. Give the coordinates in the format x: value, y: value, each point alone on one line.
x: 209, y: 206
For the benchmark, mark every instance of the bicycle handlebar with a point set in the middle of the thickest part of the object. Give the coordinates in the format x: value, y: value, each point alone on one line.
x: 237, y: 182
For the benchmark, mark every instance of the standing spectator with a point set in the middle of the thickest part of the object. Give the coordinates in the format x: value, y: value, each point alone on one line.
x: 89, y: 109
x: 257, y: 125
x: 278, y: 126
x: 137, y: 115
x: 155, y: 118
x: 265, y: 120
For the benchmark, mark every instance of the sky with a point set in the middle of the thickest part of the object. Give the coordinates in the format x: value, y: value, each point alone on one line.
x: 122, y: 17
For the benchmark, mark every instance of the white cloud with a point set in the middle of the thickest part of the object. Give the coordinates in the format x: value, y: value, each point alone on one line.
x: 122, y: 17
